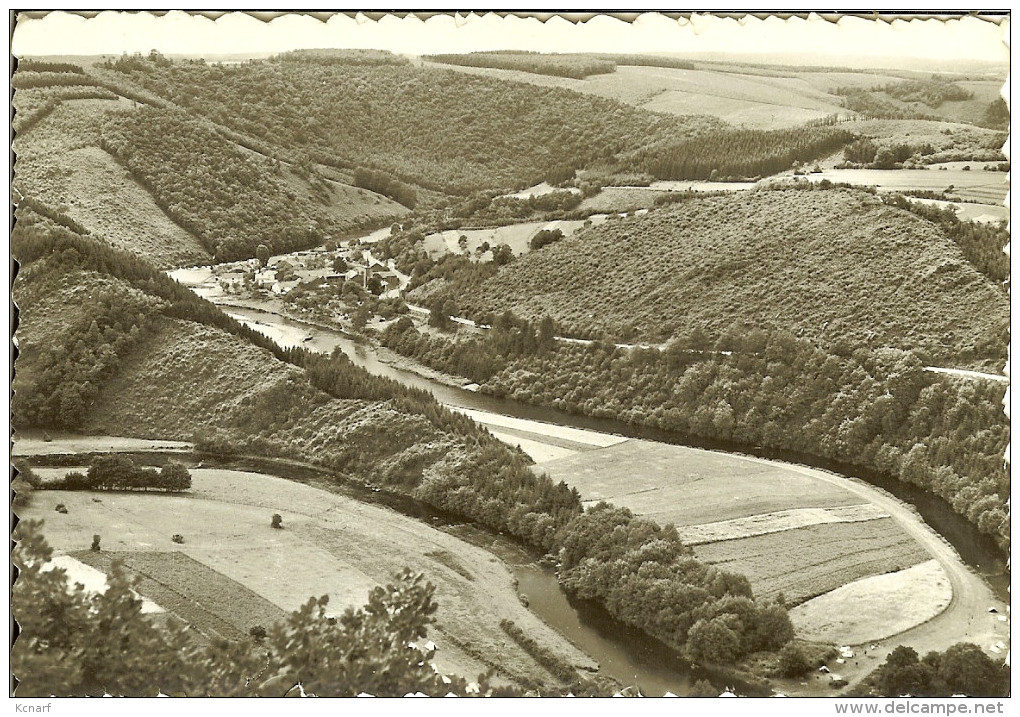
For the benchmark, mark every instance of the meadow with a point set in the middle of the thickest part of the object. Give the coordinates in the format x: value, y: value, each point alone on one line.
x: 785, y: 528
x: 922, y: 591
x: 234, y: 571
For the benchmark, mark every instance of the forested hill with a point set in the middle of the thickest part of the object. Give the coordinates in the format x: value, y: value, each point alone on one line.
x: 838, y: 267
x: 437, y: 128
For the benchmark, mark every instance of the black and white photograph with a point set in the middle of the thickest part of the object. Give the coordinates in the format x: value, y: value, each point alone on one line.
x: 503, y: 355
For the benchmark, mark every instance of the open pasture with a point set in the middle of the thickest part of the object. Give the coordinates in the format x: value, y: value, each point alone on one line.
x: 903, y: 599
x: 517, y: 236
x: 328, y: 545
x: 687, y: 486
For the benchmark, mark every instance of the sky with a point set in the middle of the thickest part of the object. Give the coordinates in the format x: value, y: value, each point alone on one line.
x: 180, y: 33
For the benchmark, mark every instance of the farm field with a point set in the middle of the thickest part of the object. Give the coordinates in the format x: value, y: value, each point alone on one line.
x: 803, y: 563
x: 93, y: 580
x: 784, y: 528
x: 329, y: 545
x: 753, y: 100
x: 745, y: 95
x: 978, y: 186
x: 848, y: 612
x: 212, y: 604
x: 688, y: 486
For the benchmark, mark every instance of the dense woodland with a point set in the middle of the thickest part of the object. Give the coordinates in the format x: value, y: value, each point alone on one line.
x: 439, y: 129
x: 878, y: 410
x: 963, y: 669
x: 231, y: 200
x: 852, y: 270
x: 739, y: 154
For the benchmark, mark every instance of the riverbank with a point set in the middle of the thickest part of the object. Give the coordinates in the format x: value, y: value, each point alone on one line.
x: 948, y: 631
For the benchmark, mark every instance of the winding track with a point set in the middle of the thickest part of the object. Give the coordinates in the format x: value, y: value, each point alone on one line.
x: 966, y: 619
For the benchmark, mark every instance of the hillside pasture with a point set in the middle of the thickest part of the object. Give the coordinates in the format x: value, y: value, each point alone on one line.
x: 235, y: 570
x: 758, y: 101
x: 59, y: 163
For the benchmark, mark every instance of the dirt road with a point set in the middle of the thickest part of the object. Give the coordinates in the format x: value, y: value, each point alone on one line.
x: 966, y: 619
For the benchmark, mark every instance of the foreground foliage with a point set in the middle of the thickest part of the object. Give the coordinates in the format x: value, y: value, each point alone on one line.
x: 963, y: 669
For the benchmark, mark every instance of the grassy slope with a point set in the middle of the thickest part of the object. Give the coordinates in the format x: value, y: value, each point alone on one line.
x: 59, y: 162
x: 826, y: 265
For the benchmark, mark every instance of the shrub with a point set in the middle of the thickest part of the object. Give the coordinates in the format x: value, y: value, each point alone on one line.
x: 792, y: 661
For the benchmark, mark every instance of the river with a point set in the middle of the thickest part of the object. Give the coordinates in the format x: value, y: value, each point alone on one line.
x: 621, y: 655
x: 976, y: 549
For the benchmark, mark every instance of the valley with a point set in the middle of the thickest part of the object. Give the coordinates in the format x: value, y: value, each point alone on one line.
x: 659, y: 376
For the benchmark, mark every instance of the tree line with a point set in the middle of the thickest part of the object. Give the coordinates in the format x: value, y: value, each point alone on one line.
x: 560, y: 65
x: 383, y: 183
x: 117, y: 472
x: 29, y: 65
x: 963, y: 669
x: 739, y: 154
x: 981, y: 243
